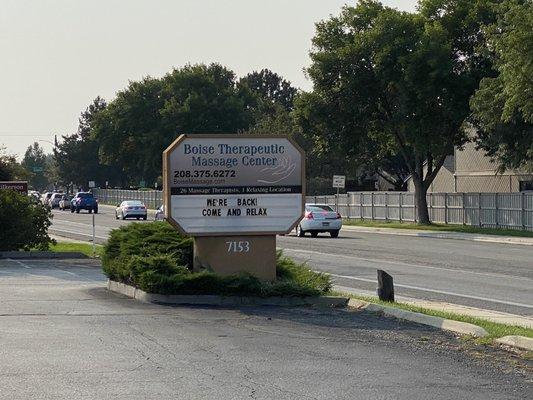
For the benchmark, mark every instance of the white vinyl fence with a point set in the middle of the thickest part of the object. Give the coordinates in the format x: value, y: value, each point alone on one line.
x: 491, y: 210
x: 151, y: 198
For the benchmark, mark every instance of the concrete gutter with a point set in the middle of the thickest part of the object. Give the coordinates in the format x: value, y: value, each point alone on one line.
x: 525, y: 241
x: 229, y: 301
x: 28, y: 255
x: 461, y: 328
x: 519, y: 342
x: 489, y: 315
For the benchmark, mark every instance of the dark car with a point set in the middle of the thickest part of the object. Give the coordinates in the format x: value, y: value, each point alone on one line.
x: 84, y: 201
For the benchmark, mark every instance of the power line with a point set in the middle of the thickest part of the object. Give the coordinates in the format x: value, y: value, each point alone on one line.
x: 26, y: 134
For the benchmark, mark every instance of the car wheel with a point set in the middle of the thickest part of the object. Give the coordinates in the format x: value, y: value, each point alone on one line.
x: 90, y: 210
x: 77, y: 210
x: 299, y: 231
x: 116, y: 215
x: 123, y: 216
x: 314, y: 233
x: 71, y: 210
x: 334, y: 234
x: 96, y: 210
x: 138, y: 218
x: 144, y: 218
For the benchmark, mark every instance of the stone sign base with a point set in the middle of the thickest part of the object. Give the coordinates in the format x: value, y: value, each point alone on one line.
x: 228, y: 255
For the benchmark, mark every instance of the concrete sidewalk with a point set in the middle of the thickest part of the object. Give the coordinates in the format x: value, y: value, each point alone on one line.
x: 527, y: 241
x: 493, y: 316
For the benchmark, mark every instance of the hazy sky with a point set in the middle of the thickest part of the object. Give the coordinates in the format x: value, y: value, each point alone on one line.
x: 58, y: 55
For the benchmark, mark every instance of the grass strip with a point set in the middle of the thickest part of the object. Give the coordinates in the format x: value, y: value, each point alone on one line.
x: 84, y: 248
x: 495, y: 330
x: 439, y: 227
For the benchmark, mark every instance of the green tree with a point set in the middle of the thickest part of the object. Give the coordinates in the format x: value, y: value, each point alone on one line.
x: 24, y: 223
x: 148, y: 115
x: 271, y: 88
x: 394, y: 83
x: 10, y: 169
x: 35, y: 162
x: 77, y: 156
x: 503, y: 105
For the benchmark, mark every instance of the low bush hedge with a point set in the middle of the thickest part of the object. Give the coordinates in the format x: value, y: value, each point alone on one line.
x: 156, y: 259
x: 144, y: 240
x: 23, y: 223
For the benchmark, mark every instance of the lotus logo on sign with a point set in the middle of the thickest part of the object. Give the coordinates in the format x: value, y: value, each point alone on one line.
x: 234, y: 184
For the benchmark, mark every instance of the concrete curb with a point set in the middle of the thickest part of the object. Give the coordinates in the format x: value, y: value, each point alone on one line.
x: 524, y: 241
x: 519, y: 342
x: 230, y: 301
x: 26, y: 255
x: 462, y: 328
x: 467, y: 311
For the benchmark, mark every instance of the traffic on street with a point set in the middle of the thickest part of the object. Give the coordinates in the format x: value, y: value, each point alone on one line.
x: 485, y: 275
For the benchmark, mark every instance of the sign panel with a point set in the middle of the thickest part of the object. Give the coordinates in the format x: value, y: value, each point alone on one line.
x: 234, y: 184
x: 17, y: 186
x: 339, y: 181
x: 92, y: 184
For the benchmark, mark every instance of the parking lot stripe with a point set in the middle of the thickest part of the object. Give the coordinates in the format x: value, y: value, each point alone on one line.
x: 20, y: 263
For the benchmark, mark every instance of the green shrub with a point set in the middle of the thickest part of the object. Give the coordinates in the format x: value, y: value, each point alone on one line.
x: 23, y: 223
x: 206, y: 282
x: 144, y: 240
x: 288, y: 270
x: 156, y: 259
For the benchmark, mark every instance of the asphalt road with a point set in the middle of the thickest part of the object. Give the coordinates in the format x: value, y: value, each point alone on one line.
x: 64, y: 336
x: 485, y: 275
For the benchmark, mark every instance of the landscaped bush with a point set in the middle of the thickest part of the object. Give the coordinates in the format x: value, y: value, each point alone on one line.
x: 23, y: 223
x: 133, y: 241
x: 156, y: 259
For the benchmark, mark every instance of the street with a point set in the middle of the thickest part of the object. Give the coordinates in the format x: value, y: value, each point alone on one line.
x: 64, y: 336
x: 485, y: 275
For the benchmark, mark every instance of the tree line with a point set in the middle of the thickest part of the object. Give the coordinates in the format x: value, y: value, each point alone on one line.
x: 393, y: 93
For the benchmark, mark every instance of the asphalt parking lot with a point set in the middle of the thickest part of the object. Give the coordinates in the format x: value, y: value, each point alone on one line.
x: 64, y: 336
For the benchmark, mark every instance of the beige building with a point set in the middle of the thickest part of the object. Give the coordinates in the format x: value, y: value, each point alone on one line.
x: 470, y: 170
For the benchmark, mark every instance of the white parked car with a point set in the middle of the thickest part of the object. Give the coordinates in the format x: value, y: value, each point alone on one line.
x: 65, y: 202
x: 160, y: 214
x: 55, y: 199
x: 319, y: 218
x: 45, y: 198
x: 131, y: 209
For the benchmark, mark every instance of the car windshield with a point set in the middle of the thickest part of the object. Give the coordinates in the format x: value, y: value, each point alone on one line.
x: 133, y: 203
x: 318, y: 208
x: 84, y: 195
